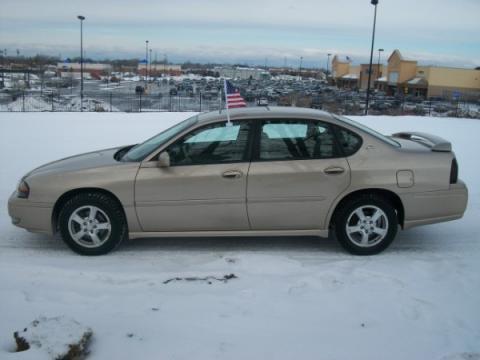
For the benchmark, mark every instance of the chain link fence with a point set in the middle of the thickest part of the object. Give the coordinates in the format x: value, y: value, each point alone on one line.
x: 121, y: 102
x: 105, y: 102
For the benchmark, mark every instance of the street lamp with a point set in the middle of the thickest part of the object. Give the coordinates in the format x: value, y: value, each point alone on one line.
x: 378, y: 66
x: 300, y: 67
x: 146, y: 62
x: 328, y: 63
x: 374, y: 3
x: 81, y: 18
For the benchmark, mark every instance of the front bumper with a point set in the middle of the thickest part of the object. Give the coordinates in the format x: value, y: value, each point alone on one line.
x: 435, y: 206
x: 29, y: 215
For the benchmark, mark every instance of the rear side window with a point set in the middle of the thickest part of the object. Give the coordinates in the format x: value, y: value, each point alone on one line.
x: 349, y: 141
x: 296, y: 140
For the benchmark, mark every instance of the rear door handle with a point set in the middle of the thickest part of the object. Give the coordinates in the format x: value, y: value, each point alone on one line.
x: 232, y: 174
x: 334, y: 170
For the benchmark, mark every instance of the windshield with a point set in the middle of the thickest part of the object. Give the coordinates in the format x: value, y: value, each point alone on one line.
x: 140, y: 151
x: 367, y: 130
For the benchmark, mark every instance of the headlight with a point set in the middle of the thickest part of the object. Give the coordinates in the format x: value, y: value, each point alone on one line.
x: 23, y: 190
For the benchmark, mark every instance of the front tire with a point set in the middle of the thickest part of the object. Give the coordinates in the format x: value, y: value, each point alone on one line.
x: 92, y: 223
x: 366, y: 225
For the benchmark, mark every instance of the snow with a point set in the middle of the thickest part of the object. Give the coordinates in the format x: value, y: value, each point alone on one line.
x: 293, y: 298
x: 53, y: 337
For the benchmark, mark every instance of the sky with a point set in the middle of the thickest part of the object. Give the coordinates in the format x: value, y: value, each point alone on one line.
x: 435, y: 32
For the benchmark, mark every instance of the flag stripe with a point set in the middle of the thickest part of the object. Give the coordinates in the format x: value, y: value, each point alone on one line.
x: 233, y: 97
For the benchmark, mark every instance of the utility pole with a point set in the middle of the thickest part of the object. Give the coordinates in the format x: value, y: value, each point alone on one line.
x: 146, y: 63
x: 81, y: 18
x: 328, y: 64
x: 4, y: 55
x: 150, y: 70
x: 374, y: 3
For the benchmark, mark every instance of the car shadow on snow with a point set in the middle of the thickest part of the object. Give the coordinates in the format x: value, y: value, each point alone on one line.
x: 247, y: 243
x: 419, y: 240
x: 415, y: 240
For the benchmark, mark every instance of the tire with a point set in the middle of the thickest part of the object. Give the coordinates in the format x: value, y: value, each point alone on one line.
x: 92, y: 223
x: 368, y: 235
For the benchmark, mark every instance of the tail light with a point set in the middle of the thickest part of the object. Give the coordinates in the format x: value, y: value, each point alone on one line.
x: 454, y: 172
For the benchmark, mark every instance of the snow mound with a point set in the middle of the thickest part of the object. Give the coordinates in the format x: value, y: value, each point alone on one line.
x: 59, y: 337
x: 30, y: 103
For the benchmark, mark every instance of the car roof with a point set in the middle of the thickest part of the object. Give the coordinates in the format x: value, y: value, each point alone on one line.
x: 264, y: 112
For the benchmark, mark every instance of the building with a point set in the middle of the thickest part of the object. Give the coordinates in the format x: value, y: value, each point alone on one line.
x: 344, y: 74
x: 405, y: 77
x: 87, y: 67
x: 377, y: 71
x: 157, y: 69
x: 90, y: 70
x: 243, y: 73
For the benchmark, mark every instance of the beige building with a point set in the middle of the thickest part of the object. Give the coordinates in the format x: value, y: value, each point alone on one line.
x: 377, y: 71
x: 344, y: 74
x: 405, y: 76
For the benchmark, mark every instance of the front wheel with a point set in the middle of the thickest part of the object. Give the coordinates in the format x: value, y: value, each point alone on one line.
x: 366, y: 225
x: 92, y: 224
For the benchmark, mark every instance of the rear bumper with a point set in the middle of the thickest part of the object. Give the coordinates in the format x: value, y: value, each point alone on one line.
x: 435, y: 206
x: 32, y: 216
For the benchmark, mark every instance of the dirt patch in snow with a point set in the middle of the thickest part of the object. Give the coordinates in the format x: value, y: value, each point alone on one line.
x: 207, y: 279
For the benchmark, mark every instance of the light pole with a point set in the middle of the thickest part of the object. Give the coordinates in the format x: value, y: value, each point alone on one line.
x: 146, y: 63
x: 378, y: 66
x: 300, y: 67
x: 374, y: 3
x: 328, y: 63
x: 81, y: 18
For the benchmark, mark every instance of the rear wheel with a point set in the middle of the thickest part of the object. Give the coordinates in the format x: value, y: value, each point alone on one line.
x: 92, y: 223
x: 366, y: 225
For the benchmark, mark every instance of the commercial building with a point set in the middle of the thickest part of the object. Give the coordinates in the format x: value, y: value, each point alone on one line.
x: 344, y: 74
x: 87, y: 67
x: 405, y: 76
x: 157, y: 69
x: 242, y: 73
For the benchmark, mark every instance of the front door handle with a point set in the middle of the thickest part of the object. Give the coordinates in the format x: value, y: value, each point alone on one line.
x: 334, y: 170
x: 232, y: 174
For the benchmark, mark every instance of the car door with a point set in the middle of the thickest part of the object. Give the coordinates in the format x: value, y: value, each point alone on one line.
x: 296, y: 174
x: 204, y: 188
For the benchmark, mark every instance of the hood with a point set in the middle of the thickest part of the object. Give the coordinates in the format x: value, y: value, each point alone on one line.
x: 89, y: 160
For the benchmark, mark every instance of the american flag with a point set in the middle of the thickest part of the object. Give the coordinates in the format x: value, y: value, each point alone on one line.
x: 234, y: 99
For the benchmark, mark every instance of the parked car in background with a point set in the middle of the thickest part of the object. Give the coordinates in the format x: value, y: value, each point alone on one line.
x: 272, y: 171
x: 262, y: 102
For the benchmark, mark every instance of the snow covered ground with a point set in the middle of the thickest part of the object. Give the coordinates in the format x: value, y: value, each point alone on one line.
x: 294, y: 298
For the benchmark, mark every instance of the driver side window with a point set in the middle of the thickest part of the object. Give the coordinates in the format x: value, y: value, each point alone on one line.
x: 211, y: 144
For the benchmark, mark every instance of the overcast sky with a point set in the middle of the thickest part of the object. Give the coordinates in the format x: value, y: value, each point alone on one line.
x: 442, y: 32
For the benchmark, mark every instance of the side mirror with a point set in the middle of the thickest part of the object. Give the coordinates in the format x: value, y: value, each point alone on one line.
x: 164, y: 159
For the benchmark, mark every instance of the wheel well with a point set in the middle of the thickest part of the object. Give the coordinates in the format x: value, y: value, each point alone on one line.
x: 69, y: 194
x: 390, y: 196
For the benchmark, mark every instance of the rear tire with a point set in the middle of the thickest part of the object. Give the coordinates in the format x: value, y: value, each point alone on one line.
x: 366, y: 225
x: 92, y: 223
